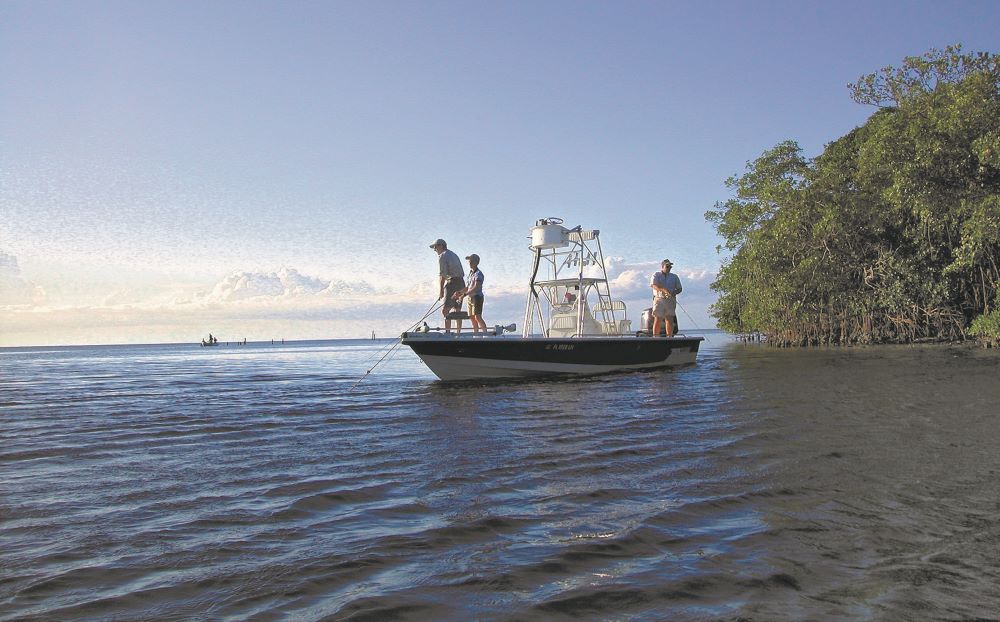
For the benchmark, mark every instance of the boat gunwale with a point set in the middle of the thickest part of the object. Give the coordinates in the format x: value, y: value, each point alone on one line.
x: 434, y: 335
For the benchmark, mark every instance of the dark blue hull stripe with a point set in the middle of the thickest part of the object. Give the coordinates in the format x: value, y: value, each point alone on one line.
x: 601, y: 351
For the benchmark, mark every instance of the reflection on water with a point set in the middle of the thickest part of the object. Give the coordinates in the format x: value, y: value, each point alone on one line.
x: 177, y: 482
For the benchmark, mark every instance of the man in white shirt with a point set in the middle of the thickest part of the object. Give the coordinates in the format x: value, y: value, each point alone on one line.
x: 475, y: 293
x: 665, y: 286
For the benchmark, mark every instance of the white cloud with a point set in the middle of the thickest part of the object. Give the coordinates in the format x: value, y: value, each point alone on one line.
x: 288, y: 304
x: 14, y: 289
x: 633, y: 282
x: 286, y: 283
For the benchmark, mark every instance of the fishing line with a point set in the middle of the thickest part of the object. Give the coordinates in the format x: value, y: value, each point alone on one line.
x: 372, y: 368
x: 690, y: 318
x: 399, y: 341
x: 434, y: 307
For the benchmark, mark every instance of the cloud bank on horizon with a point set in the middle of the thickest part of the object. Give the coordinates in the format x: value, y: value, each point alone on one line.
x: 283, y: 304
x: 285, y: 283
x: 14, y: 288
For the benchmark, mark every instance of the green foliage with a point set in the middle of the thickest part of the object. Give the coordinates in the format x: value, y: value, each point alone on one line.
x: 920, y: 75
x: 986, y: 328
x: 891, y: 234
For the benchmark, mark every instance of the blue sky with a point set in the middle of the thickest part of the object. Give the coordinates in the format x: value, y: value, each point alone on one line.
x: 151, y: 151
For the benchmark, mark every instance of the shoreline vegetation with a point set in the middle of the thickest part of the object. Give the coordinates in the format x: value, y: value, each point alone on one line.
x: 891, y: 235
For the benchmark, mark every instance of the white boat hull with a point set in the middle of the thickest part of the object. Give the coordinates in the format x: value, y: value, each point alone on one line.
x: 454, y: 368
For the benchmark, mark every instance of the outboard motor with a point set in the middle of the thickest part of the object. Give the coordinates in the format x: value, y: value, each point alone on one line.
x: 646, y: 322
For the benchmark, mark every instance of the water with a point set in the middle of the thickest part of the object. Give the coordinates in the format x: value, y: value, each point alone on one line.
x: 251, y: 483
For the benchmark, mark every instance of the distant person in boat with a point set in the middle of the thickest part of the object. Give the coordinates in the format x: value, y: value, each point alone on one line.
x: 665, y: 286
x: 475, y: 293
x: 450, y: 271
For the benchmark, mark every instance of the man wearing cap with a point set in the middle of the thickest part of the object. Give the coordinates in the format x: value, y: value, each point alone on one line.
x: 665, y: 288
x: 450, y: 271
x: 475, y: 293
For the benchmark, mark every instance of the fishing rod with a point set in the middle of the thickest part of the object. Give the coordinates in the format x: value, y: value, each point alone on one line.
x: 399, y: 340
x: 434, y: 307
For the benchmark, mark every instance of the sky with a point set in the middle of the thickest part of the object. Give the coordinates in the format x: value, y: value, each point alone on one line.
x: 268, y: 170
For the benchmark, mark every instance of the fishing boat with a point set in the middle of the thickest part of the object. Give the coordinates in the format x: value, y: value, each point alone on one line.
x: 572, y: 324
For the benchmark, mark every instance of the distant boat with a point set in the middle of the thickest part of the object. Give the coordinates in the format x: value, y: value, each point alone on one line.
x: 211, y: 341
x: 571, y: 340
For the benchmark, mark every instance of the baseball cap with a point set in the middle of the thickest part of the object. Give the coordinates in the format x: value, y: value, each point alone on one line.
x: 439, y: 242
x: 474, y: 257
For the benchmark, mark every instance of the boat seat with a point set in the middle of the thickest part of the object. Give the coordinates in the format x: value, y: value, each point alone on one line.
x: 457, y: 315
x: 611, y: 305
x: 565, y: 324
x: 620, y: 327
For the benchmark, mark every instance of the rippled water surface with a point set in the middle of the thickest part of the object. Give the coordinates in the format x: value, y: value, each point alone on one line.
x: 253, y: 483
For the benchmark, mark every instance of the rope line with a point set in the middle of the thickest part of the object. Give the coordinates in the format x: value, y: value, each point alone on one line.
x: 399, y: 341
x: 690, y: 318
x: 434, y: 307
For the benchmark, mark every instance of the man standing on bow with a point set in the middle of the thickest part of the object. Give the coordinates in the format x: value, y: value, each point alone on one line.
x: 665, y: 288
x: 450, y: 271
x: 475, y: 293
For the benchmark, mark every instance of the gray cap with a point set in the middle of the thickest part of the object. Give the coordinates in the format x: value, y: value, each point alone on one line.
x: 666, y: 262
x: 474, y: 257
x: 439, y: 242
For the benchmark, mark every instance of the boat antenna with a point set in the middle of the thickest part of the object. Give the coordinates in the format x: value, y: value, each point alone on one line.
x: 533, y: 294
x: 399, y: 340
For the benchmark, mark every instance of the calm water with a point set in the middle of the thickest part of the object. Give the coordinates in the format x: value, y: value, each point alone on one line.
x: 251, y: 483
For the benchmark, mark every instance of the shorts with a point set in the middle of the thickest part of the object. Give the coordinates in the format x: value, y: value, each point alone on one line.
x: 476, y: 304
x: 452, y: 287
x: 664, y: 308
